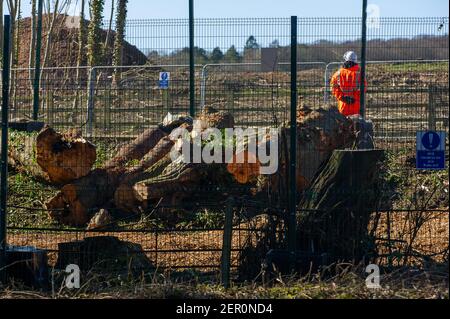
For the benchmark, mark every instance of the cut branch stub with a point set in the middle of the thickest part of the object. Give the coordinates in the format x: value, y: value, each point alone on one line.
x: 244, y: 170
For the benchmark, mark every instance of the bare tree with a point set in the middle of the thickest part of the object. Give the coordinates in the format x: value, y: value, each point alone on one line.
x: 32, y: 54
x: 13, y: 7
x: 108, y: 33
x: 81, y: 59
x: 53, y: 10
x: 120, y: 36
x: 94, y: 34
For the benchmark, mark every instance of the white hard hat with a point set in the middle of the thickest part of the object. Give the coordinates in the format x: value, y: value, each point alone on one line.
x: 350, y: 56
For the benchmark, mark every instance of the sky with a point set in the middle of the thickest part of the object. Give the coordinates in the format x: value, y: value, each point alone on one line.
x: 148, y: 9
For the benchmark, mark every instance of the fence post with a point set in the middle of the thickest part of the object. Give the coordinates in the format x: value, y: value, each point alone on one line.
x: 203, y: 87
x: 4, y: 144
x: 90, y: 102
x: 363, y: 60
x: 50, y: 108
x: 292, y: 224
x: 327, y: 86
x: 431, y: 109
x: 225, y: 265
x: 37, y: 69
x: 191, y: 60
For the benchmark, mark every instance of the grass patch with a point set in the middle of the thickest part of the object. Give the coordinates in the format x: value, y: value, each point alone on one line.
x: 403, y: 284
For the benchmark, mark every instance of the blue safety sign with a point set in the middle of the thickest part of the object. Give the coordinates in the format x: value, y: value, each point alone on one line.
x: 164, y: 79
x: 431, y: 150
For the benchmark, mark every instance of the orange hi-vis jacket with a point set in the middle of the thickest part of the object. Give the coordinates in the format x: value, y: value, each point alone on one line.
x: 346, y: 82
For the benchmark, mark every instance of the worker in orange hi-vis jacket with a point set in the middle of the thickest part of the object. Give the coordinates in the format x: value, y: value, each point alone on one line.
x: 345, y: 85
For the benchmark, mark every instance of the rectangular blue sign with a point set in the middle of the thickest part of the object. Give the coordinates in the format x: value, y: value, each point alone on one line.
x: 164, y: 78
x: 431, y: 150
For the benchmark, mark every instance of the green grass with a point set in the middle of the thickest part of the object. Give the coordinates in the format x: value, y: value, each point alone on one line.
x: 349, y: 284
x: 26, y: 199
x: 410, y: 67
x: 411, y: 188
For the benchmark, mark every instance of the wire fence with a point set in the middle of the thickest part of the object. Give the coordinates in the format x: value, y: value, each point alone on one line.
x: 238, y: 75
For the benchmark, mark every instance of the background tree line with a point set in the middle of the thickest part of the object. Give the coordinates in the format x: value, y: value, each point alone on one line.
x: 426, y: 47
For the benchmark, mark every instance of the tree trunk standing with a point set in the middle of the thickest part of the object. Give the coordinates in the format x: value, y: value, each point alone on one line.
x: 81, y: 56
x: 336, y: 209
x: 32, y: 54
x: 94, y: 33
x: 120, y: 37
x: 108, y: 32
x: 50, y: 27
x: 13, y: 6
x: 17, y: 33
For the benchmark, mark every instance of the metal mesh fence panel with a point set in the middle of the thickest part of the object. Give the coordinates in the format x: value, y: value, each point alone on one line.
x: 178, y: 220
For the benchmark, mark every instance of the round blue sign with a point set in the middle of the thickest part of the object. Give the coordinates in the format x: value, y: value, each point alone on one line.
x: 164, y: 76
x: 431, y: 140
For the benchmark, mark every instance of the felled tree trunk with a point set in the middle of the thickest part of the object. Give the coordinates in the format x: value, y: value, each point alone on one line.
x: 335, y: 210
x: 50, y: 156
x: 320, y: 132
x: 78, y: 201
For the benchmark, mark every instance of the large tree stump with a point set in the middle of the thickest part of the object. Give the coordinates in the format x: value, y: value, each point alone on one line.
x: 335, y: 211
x: 104, y: 254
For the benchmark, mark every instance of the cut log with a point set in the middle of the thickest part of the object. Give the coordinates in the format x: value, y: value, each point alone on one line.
x: 22, y: 155
x: 210, y: 117
x: 137, y: 148
x: 51, y: 157
x: 145, y: 142
x: 320, y: 132
x: 157, y: 176
x: 77, y: 202
x: 335, y: 211
x: 126, y: 199
x: 244, y: 171
x: 135, y: 189
x: 64, y: 157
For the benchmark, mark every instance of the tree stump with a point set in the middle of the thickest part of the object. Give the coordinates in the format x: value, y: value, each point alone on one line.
x: 335, y: 211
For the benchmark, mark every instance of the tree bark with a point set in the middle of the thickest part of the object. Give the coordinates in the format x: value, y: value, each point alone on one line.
x: 335, y: 211
x: 64, y: 157
x: 51, y: 157
x: 78, y: 201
